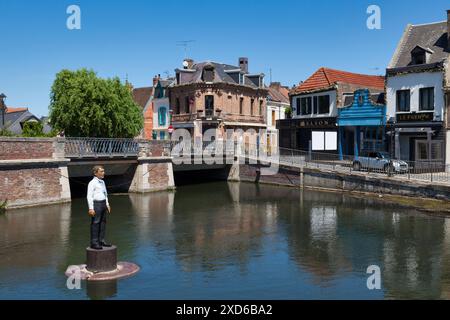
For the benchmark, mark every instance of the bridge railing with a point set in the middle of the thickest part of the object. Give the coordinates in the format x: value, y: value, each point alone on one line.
x: 100, y: 147
x: 194, y: 148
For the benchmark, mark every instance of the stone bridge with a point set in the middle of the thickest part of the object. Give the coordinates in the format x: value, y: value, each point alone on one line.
x: 37, y: 171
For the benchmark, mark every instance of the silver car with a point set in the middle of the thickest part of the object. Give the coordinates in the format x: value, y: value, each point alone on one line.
x: 379, y: 161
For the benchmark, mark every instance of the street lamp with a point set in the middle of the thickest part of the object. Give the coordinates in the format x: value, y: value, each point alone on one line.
x: 3, y: 108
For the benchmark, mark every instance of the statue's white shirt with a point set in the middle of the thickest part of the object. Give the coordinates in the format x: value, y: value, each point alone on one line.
x: 96, y: 191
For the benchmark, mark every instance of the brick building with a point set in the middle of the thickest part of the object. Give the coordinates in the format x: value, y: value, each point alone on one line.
x: 211, y: 95
x: 143, y: 97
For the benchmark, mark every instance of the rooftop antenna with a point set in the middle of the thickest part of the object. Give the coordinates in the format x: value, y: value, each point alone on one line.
x: 270, y: 73
x: 375, y: 68
x: 185, y: 44
x: 167, y: 73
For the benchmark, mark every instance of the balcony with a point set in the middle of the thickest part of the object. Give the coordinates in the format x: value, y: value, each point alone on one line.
x: 214, y: 112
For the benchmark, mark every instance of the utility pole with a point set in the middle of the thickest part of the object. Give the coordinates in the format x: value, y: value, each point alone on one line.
x: 2, y: 108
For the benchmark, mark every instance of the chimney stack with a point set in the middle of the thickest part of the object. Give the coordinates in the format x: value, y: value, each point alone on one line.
x: 188, y: 63
x: 448, y: 30
x: 155, y: 80
x: 243, y: 64
x: 275, y: 85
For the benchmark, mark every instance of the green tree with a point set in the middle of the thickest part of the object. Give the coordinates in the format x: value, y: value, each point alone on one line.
x: 33, y: 129
x: 84, y: 105
x: 6, y: 133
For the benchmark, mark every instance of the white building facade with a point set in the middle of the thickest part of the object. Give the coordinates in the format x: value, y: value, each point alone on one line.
x: 416, y: 88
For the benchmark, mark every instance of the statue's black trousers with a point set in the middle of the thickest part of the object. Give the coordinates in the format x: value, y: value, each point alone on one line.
x: 98, y: 222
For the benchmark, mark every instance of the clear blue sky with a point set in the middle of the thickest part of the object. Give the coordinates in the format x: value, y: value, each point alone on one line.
x: 138, y: 38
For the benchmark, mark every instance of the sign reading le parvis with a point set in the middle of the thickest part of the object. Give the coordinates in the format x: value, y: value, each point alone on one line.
x: 414, y: 117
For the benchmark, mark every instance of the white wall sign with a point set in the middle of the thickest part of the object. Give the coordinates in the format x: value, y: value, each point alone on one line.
x: 323, y: 140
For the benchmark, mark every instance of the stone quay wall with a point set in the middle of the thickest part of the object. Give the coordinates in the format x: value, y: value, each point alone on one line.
x: 33, y: 172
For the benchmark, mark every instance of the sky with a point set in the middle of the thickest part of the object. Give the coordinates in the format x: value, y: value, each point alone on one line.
x: 137, y: 39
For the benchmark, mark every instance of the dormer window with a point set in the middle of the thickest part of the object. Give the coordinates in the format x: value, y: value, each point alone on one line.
x: 420, y: 55
x: 208, y: 74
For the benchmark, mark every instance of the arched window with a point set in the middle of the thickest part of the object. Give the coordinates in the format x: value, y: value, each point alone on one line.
x: 162, y: 116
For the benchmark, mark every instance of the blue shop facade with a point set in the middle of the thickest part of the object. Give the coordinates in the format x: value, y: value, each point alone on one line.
x: 362, y: 124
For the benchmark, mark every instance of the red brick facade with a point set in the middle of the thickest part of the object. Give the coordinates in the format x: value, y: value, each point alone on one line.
x: 158, y: 177
x: 26, y: 186
x: 148, y: 122
x: 13, y: 149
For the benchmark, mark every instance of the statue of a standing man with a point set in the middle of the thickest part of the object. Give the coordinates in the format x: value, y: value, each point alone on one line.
x: 97, y: 198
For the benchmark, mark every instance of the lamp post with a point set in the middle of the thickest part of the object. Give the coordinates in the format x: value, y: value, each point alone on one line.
x: 2, y: 108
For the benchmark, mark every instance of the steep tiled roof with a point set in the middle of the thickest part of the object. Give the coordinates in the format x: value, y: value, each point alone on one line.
x: 325, y: 78
x: 141, y: 95
x: 11, y: 109
x: 431, y: 36
x: 278, y: 93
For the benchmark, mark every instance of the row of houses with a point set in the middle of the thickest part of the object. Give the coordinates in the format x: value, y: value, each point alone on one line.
x: 406, y: 112
x: 13, y: 119
x: 211, y: 95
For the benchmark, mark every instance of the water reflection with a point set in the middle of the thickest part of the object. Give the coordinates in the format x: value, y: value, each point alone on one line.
x: 255, y: 241
x: 99, y: 290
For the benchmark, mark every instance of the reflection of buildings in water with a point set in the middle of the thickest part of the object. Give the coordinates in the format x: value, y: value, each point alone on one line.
x: 154, y: 214
x: 323, y: 221
x: 34, y: 237
x: 271, y: 215
x: 230, y: 236
x: 233, y: 189
x: 413, y: 266
x: 445, y: 293
x: 312, y: 240
x: 395, y: 218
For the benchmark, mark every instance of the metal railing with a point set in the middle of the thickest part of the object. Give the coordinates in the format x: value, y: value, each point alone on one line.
x: 430, y: 171
x: 100, y: 147
x: 194, y: 148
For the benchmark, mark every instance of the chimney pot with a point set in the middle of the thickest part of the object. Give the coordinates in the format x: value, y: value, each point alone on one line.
x: 275, y: 85
x: 189, y: 63
x: 155, y: 80
x: 243, y: 64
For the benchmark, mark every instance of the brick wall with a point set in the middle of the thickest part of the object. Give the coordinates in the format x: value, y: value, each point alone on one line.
x: 226, y: 98
x: 26, y: 148
x: 158, y: 177
x: 29, y: 183
x: 30, y: 186
x: 148, y: 122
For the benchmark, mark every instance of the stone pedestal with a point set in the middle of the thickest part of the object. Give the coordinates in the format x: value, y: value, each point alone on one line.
x: 101, y: 260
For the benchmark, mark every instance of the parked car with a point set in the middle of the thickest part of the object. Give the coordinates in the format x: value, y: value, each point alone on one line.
x: 379, y: 161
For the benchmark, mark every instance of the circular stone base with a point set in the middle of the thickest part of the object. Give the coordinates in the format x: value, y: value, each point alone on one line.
x: 124, y: 269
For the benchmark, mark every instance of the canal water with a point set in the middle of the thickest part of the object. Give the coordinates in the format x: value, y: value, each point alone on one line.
x: 224, y: 240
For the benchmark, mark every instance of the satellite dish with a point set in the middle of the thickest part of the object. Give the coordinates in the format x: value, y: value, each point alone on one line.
x: 185, y: 64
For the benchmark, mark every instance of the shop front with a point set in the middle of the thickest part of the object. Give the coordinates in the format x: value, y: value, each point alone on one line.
x: 362, y: 126
x: 311, y: 134
x: 418, y: 138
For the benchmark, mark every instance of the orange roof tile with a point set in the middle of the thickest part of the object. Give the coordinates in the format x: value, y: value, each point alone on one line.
x: 11, y: 109
x: 325, y: 77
